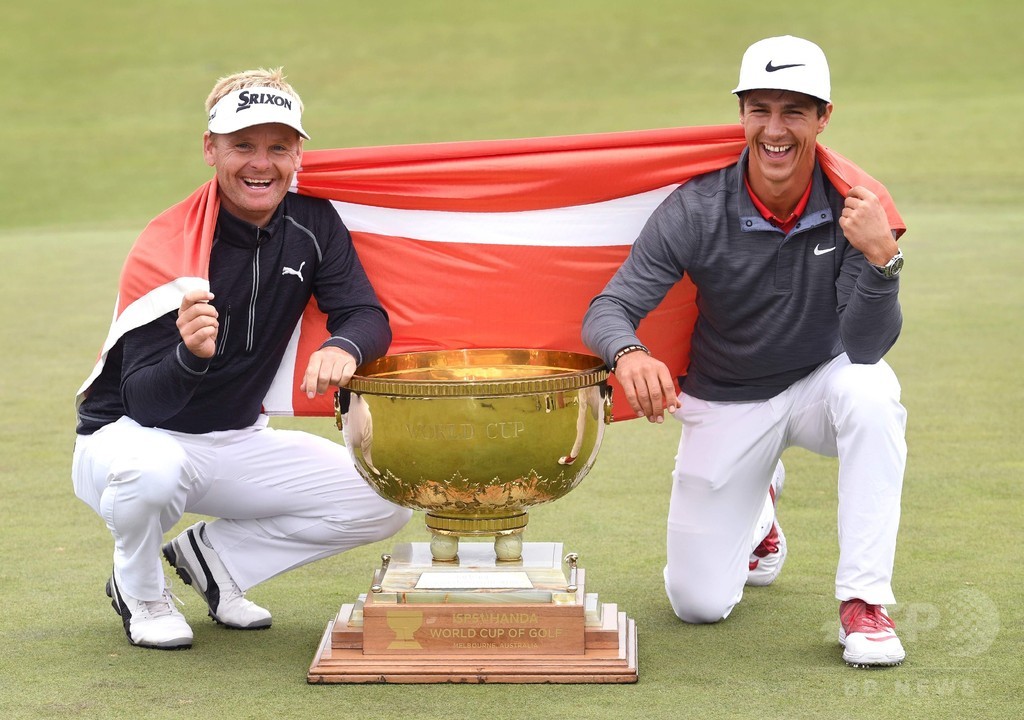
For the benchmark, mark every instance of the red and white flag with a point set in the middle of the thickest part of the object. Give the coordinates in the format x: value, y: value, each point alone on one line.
x: 471, y: 244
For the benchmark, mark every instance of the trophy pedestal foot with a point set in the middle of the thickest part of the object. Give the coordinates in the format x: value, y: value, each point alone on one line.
x: 509, y: 548
x: 444, y: 548
x: 482, y: 621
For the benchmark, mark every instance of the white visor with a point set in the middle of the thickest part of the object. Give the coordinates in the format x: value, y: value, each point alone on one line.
x: 255, y: 106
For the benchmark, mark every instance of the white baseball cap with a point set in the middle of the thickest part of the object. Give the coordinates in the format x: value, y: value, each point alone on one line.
x: 785, y: 63
x: 256, y: 106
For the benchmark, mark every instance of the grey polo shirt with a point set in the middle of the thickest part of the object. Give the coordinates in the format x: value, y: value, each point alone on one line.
x: 772, y: 306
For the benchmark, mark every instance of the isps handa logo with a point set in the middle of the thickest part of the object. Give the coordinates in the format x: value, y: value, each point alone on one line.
x: 247, y: 99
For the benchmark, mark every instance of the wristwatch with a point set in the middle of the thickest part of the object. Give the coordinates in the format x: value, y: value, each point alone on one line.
x: 892, y: 268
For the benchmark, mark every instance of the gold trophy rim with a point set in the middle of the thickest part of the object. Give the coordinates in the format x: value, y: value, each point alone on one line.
x: 566, y: 370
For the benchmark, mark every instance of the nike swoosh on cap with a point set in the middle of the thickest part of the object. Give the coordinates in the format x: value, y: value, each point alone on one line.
x: 773, y: 68
x: 822, y: 251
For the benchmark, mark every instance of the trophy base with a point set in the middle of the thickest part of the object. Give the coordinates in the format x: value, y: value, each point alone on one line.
x: 478, y: 622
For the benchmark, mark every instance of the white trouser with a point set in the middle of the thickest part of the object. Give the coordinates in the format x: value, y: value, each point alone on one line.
x: 286, y: 498
x: 727, y: 454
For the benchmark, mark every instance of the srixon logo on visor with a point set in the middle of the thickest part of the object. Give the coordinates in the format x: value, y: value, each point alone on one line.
x: 247, y: 99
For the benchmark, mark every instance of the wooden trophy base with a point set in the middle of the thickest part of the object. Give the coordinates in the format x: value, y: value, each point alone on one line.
x: 477, y: 620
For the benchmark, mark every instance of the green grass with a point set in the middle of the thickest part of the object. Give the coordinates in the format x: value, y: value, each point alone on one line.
x: 102, y: 120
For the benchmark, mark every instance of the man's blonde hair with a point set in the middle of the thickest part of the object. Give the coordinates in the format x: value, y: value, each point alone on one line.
x: 251, y: 78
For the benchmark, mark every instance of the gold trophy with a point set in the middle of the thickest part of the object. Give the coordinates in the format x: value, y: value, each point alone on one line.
x: 474, y: 438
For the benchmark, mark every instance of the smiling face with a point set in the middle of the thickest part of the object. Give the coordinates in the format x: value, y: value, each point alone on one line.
x: 781, y: 129
x: 254, y: 168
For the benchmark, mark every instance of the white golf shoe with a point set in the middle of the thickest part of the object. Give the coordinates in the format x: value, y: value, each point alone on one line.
x: 198, y: 565
x: 150, y: 623
x: 868, y: 635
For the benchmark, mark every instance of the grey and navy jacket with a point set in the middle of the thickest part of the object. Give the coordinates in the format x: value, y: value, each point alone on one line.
x: 772, y: 306
x: 262, y: 280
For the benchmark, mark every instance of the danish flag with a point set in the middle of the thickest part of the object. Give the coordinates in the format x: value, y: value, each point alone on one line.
x: 471, y: 244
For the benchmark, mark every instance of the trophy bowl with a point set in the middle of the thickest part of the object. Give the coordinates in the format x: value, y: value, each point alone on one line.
x: 475, y: 437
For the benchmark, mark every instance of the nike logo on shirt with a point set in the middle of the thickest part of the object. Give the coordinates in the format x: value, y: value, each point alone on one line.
x: 822, y: 251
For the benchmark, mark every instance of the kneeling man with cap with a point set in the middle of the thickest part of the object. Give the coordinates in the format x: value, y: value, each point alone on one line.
x: 798, y: 303
x: 171, y: 420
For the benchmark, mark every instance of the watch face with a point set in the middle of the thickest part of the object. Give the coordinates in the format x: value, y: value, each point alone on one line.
x: 893, y: 269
